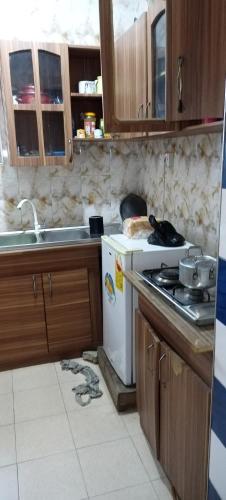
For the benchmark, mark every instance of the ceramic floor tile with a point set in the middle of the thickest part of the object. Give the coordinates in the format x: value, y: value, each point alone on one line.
x: 96, y: 425
x: 7, y: 445
x: 140, y: 492
x: 43, y: 437
x: 8, y: 483
x: 6, y: 409
x: 132, y: 422
x: 6, y: 382
x: 162, y: 488
x: 37, y: 403
x: 151, y: 465
x: 111, y: 466
x: 57, y: 477
x: 71, y: 404
x: 32, y: 377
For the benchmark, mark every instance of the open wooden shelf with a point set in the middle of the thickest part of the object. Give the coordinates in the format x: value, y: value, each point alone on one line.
x: 86, y: 96
x: 92, y: 139
x: 207, y: 128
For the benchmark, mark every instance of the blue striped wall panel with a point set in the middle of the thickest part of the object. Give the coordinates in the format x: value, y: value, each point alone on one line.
x: 212, y: 493
x: 219, y: 411
x: 221, y: 292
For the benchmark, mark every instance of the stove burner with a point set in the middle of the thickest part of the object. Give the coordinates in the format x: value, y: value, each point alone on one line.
x: 172, y: 274
x: 168, y: 276
x: 188, y: 295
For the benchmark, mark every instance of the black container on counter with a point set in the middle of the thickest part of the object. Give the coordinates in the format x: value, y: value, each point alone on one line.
x: 96, y: 225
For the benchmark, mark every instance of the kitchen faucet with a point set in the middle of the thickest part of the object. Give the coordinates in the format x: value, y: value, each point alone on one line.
x: 37, y: 227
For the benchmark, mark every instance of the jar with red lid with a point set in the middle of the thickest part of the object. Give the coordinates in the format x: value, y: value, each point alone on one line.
x: 89, y: 123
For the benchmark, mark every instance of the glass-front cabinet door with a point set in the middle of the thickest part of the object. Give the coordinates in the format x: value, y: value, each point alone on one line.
x: 36, y: 88
x: 156, y: 52
x: 55, y: 106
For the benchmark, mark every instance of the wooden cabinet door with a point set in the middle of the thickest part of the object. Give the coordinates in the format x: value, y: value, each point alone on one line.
x: 147, y: 380
x: 67, y: 307
x: 197, y: 35
x: 156, y: 56
x: 20, y: 87
x: 124, y: 70
x: 184, y: 426
x: 37, y: 96
x: 131, y: 71
x: 22, y: 320
x: 52, y: 71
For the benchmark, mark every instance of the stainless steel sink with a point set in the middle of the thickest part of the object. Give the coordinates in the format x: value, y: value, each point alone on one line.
x: 17, y: 239
x: 68, y: 234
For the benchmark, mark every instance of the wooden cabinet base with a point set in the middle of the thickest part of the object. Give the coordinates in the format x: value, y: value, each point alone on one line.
x: 50, y: 304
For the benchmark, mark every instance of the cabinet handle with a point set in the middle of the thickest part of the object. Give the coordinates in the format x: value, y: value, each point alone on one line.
x: 146, y: 109
x: 50, y: 284
x: 34, y: 285
x: 180, y: 63
x: 139, y: 110
x: 150, y: 347
x: 160, y: 359
x: 70, y: 150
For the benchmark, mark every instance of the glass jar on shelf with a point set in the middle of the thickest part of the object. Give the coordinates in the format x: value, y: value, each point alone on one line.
x: 89, y: 123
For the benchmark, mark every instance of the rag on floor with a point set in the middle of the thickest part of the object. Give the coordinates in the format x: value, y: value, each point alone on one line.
x: 90, y: 387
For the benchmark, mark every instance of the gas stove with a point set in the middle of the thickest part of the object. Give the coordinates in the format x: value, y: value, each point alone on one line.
x: 196, y: 305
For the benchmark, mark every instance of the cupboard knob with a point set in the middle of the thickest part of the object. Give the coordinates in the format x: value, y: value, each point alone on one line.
x: 50, y: 285
x: 160, y: 359
x: 70, y: 150
x: 180, y: 63
x: 139, y: 110
x: 146, y: 109
x: 34, y: 285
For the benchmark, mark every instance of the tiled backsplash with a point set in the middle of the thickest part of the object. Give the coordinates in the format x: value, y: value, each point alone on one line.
x: 101, y: 175
x: 187, y: 193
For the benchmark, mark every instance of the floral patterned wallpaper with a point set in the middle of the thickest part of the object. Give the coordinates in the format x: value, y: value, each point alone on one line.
x: 187, y: 193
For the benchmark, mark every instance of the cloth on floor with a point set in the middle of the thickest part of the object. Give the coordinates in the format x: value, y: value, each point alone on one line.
x: 90, y: 387
x: 90, y: 356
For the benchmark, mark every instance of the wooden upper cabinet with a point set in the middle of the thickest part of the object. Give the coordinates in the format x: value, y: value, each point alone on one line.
x: 147, y: 377
x: 37, y: 97
x: 67, y: 307
x: 131, y: 71
x: 125, y: 69
x: 196, y: 59
x: 185, y: 64
x: 184, y: 426
x: 22, y: 318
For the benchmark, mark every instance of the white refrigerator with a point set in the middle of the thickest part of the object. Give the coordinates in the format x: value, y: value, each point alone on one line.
x: 119, y: 254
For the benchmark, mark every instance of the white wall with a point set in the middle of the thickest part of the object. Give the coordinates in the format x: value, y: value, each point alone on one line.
x: 71, y: 21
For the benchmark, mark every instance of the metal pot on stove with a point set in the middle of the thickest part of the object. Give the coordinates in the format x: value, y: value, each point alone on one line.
x: 197, y: 271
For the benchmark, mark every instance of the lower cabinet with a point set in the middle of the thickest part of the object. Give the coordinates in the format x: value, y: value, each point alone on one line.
x: 181, y: 403
x: 147, y: 377
x: 50, y: 306
x: 67, y: 306
x: 22, y: 318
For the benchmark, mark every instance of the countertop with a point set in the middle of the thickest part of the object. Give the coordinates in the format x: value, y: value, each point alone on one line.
x: 199, y: 338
